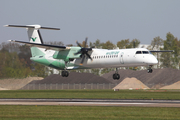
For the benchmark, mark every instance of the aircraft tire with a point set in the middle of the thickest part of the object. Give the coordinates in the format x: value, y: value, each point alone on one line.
x: 150, y: 70
x: 116, y: 76
x: 65, y: 73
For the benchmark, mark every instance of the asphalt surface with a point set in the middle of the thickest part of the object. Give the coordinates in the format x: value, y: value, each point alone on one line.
x: 92, y: 102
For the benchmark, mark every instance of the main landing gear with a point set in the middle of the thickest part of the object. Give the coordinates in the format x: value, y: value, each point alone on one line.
x: 64, y: 73
x: 150, y: 69
x: 116, y: 76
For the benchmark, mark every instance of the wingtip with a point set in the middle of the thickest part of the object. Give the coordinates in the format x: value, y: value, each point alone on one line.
x: 6, y: 25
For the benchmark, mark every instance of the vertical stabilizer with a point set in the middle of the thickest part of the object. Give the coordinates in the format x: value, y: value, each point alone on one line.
x: 34, y: 37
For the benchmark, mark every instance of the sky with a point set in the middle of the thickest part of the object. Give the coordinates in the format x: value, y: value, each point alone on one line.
x: 105, y: 20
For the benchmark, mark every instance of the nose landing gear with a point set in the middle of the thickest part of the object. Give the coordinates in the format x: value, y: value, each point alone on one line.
x: 150, y: 69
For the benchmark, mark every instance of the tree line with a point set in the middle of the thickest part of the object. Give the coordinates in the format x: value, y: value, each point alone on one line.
x: 15, y: 58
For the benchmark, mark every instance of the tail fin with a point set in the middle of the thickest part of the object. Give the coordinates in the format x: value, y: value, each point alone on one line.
x: 33, y: 32
x: 34, y: 37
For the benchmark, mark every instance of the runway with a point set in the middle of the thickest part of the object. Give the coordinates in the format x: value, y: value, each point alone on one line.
x: 92, y: 102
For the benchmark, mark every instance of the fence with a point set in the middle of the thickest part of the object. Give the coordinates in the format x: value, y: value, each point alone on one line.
x: 82, y: 86
x: 67, y: 86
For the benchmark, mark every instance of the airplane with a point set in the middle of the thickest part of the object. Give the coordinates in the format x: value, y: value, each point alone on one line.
x: 70, y: 58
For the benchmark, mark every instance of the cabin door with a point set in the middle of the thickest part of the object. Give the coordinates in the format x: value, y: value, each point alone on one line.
x: 121, y: 58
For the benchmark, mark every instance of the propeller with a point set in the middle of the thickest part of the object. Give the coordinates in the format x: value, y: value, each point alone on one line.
x: 83, y: 51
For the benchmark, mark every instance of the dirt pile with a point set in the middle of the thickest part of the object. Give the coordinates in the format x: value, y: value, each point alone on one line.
x: 172, y: 86
x: 131, y: 83
x: 72, y: 78
x: 159, y: 77
x: 13, y: 84
x: 3, y: 88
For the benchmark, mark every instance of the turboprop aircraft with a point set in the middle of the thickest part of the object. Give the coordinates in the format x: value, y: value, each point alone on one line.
x: 69, y: 58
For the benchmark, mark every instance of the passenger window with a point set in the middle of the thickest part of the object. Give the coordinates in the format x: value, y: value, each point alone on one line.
x: 145, y: 52
x: 138, y: 52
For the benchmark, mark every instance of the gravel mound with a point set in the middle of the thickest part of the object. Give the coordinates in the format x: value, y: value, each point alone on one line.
x: 173, y: 86
x: 159, y: 77
x: 13, y: 84
x: 3, y: 88
x: 131, y: 83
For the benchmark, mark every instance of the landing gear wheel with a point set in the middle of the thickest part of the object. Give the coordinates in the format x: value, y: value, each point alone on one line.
x: 65, y: 73
x: 150, y: 69
x: 116, y: 76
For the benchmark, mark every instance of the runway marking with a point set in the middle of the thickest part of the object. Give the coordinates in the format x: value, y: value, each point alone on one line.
x: 104, y: 103
x: 91, y: 102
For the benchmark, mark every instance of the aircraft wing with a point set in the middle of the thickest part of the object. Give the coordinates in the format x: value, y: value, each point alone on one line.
x: 45, y: 46
x: 161, y: 50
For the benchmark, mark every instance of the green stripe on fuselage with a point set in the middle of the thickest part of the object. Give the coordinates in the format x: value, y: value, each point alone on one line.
x: 57, y: 64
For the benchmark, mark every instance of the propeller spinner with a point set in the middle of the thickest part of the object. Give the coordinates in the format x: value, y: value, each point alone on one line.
x: 83, y: 51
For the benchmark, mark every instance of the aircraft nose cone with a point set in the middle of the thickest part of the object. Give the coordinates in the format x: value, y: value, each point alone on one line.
x: 153, y: 60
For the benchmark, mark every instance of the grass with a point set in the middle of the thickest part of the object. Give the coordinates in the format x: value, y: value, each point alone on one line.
x: 93, y: 94
x: 87, y: 113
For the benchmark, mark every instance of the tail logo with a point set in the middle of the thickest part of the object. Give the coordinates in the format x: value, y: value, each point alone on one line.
x: 34, y: 39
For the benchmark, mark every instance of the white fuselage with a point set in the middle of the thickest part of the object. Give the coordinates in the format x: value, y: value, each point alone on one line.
x: 103, y: 58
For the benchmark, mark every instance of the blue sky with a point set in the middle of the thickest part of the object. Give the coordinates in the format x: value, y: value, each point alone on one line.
x: 105, y: 20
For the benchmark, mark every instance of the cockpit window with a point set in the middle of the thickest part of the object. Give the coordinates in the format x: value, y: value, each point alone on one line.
x: 145, y: 52
x: 138, y: 52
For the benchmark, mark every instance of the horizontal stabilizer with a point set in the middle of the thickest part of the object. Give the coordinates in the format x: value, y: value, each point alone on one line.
x: 45, y: 46
x: 32, y: 26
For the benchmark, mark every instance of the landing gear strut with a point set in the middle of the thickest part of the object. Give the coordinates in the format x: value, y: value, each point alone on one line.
x: 150, y: 69
x: 116, y: 76
x: 65, y: 73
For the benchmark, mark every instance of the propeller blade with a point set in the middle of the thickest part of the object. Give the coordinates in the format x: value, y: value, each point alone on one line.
x: 89, y: 56
x: 77, y: 52
x: 82, y: 60
x: 85, y: 42
x: 78, y: 44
